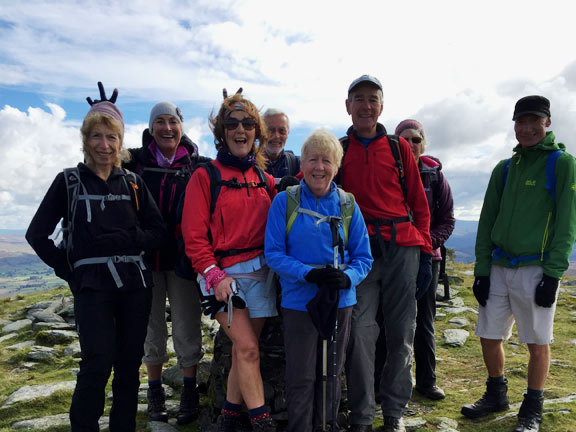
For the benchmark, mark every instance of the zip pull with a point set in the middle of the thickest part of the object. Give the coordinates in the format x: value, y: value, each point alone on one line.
x: 134, y: 189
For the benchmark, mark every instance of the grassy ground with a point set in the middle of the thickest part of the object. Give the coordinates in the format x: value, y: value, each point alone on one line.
x: 460, y: 371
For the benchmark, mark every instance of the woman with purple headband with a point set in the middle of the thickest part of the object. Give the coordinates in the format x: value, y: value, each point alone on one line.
x: 109, y: 219
x: 224, y: 237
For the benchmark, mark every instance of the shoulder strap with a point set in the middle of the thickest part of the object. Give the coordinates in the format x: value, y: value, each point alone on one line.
x: 346, y: 211
x: 551, y: 160
x: 73, y: 184
x: 292, y: 162
x: 215, y: 186
x: 292, y: 206
x: 505, y: 175
x: 394, y: 142
x: 262, y: 177
x: 345, y: 141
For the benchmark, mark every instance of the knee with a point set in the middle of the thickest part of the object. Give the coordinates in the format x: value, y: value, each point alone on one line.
x: 246, y: 351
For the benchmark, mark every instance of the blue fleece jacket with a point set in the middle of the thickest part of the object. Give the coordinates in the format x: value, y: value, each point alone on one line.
x: 290, y: 256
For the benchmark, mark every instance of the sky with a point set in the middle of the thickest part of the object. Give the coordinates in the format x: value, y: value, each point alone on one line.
x: 456, y: 66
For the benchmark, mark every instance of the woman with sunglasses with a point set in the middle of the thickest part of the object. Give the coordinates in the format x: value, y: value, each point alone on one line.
x: 442, y: 222
x: 225, y: 242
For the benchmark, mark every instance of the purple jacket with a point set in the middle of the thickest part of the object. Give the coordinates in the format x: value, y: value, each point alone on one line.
x: 440, y: 201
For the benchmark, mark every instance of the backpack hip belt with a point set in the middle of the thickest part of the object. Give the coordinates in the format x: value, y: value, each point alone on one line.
x: 377, y: 223
x: 111, y: 261
x: 513, y: 260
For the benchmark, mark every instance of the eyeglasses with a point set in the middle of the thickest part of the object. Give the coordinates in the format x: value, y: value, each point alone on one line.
x: 415, y: 140
x: 232, y: 123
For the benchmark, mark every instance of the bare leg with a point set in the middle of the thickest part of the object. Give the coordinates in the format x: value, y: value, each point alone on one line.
x: 244, y: 379
x: 154, y: 372
x: 493, y: 353
x: 538, y: 366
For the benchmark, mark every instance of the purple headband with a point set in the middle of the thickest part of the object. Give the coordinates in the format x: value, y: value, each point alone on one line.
x: 108, y: 109
x: 409, y: 124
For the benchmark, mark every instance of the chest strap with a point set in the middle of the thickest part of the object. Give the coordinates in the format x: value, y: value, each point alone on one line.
x: 111, y: 261
x: 102, y: 199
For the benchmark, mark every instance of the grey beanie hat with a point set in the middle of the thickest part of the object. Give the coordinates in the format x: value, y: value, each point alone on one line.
x: 164, y: 108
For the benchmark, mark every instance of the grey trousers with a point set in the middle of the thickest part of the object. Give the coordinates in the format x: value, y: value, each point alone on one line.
x: 303, y: 348
x: 186, y: 331
x: 391, y: 286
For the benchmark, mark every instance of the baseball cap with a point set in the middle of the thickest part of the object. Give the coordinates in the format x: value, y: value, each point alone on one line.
x: 365, y: 79
x: 537, y: 105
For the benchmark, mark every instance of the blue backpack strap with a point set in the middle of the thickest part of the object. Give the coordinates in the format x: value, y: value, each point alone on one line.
x: 551, y: 172
x: 505, y: 175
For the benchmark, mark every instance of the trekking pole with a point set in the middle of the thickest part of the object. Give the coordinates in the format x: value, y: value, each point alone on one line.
x: 334, y: 229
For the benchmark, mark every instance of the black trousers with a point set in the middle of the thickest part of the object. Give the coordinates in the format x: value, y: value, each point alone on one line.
x: 424, y: 342
x: 111, y: 326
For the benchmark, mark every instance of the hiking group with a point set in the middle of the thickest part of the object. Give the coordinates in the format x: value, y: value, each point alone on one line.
x: 351, y: 232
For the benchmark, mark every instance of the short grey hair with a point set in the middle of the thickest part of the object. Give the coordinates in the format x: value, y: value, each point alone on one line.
x: 274, y: 111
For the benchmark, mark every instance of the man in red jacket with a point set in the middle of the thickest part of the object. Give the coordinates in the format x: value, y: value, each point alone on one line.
x: 394, y: 205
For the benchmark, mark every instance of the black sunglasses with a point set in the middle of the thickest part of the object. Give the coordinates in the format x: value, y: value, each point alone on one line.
x: 232, y: 123
x: 415, y: 140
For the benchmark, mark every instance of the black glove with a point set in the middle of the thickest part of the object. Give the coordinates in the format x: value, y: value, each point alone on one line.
x: 103, y: 96
x: 329, y: 276
x: 545, y: 294
x: 285, y: 182
x: 211, y: 305
x: 424, y: 275
x: 481, y: 289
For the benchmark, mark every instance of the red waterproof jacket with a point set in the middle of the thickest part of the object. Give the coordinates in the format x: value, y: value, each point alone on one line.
x: 370, y: 173
x: 238, y: 221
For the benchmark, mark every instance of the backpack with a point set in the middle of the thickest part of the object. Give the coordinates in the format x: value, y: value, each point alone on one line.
x: 76, y: 191
x: 292, y: 162
x: 293, y: 208
x: 551, y: 159
x: 184, y: 267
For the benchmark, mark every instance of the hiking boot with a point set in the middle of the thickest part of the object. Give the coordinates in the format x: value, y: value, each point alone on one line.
x: 495, y: 399
x: 432, y: 393
x: 393, y: 424
x: 227, y: 423
x: 264, y: 425
x: 530, y: 415
x: 188, y: 411
x: 157, y: 405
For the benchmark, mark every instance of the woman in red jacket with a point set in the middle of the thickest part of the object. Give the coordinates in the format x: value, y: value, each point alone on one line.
x: 223, y: 224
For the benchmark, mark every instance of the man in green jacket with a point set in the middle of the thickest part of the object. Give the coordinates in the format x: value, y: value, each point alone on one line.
x: 525, y: 235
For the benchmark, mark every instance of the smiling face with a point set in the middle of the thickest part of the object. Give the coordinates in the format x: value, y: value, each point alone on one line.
x: 167, y: 132
x: 319, y: 169
x: 278, y: 129
x: 102, y: 147
x: 416, y: 141
x: 364, y: 104
x: 239, y: 140
x: 531, y: 129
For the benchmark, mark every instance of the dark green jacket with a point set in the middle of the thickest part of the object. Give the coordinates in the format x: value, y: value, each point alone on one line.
x: 522, y: 218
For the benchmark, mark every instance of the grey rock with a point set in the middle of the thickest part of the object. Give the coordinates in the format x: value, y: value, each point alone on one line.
x: 45, y: 316
x: 459, y: 322
x: 16, y: 326
x: 52, y: 421
x: 573, y: 342
x: 456, y: 302
x: 39, y: 353
x: 21, y: 346
x: 446, y: 424
x: 61, y: 336
x: 414, y: 423
x: 161, y: 427
x: 72, y: 350
x: 7, y: 337
x: 27, y: 393
x: 455, y: 337
x: 74, y: 371
x: 38, y: 326
x: 172, y: 376
x: 458, y: 310
x: 4, y: 322
x: 569, y: 282
x: 67, y: 311
x: 168, y: 391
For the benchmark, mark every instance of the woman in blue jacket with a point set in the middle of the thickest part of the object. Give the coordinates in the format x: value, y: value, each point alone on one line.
x: 299, y: 248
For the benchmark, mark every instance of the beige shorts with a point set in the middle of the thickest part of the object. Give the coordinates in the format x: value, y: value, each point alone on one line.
x: 511, y: 300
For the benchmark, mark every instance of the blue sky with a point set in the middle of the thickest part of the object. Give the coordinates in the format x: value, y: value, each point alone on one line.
x: 458, y: 67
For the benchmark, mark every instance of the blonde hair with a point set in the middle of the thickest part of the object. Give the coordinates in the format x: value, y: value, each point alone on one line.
x: 90, y: 122
x: 323, y: 142
x: 219, y: 130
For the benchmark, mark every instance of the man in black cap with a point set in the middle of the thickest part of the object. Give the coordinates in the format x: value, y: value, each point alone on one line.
x: 525, y: 235
x: 381, y: 172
